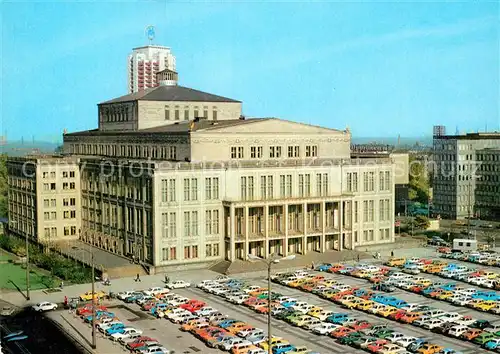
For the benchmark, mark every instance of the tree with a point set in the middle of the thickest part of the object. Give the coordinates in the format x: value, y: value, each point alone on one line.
x: 490, y: 238
x: 419, y: 181
x: 3, y: 186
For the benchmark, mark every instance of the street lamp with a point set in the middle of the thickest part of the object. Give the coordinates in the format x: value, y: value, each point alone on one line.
x: 94, y: 343
x: 269, y: 262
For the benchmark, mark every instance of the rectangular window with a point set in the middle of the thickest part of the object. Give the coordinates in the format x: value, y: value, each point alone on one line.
x: 250, y: 194
x: 275, y: 152
x: 186, y: 113
x: 164, y: 190
x: 194, y: 223
x: 46, y: 203
x: 282, y: 186
x: 194, y: 189
x: 205, y: 112
x: 172, y: 153
x: 243, y: 188
x: 172, y: 225
x: 52, y: 186
x: 307, y: 187
x: 311, y: 151
x: 301, y: 185
x: 263, y: 187
x: 187, y: 189
x: 212, y: 188
x: 196, y: 113
x: 164, y: 225
x: 293, y: 151
x: 215, y: 222
x: 177, y: 113
x: 256, y: 152
x: 240, y: 152
x: 214, y: 114
x: 208, y: 188
x: 187, y: 223
x: 233, y: 152
x: 167, y: 113
x: 208, y: 222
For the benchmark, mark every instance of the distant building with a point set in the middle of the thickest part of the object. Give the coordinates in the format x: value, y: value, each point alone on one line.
x: 466, y: 175
x: 144, y: 63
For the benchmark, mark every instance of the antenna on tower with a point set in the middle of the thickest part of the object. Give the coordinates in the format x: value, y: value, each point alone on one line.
x: 457, y: 132
x: 150, y: 33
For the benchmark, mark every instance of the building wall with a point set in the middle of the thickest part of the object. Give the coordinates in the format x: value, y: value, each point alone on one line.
x: 487, y: 192
x: 118, y: 116
x: 146, y: 62
x: 157, y: 113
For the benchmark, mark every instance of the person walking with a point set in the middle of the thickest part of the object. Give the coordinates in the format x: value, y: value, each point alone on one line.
x: 392, y: 253
x: 358, y: 257
x: 137, y: 278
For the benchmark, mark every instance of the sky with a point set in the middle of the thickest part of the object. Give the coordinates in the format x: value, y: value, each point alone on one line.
x: 380, y: 68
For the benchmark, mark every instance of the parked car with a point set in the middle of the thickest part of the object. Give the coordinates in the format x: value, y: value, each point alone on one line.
x: 44, y: 306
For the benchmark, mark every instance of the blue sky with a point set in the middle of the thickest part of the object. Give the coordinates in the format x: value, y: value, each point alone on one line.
x: 382, y: 69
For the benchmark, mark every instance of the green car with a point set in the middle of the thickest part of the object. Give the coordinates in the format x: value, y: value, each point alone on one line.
x: 274, y: 296
x: 294, y: 316
x: 363, y: 341
x: 350, y: 338
x: 484, y: 337
x: 383, y: 333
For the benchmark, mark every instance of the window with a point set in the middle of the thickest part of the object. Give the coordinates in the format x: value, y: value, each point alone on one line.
x: 53, y: 215
x: 311, y: 151
x: 45, y: 175
x: 53, y: 203
x: 64, y: 174
x: 191, y: 223
x: 169, y: 254
x: 164, y: 190
x: 73, y: 230
x: 243, y: 188
x: 52, y: 175
x: 205, y: 112
x: 236, y: 152
x: 164, y: 225
x: 46, y: 216
x: 293, y: 151
x: 352, y: 182
x: 177, y: 113
x: 369, y: 181
x: 368, y: 235
x: 186, y: 113
x: 52, y: 186
x: 71, y: 174
x: 196, y: 115
x: 171, y: 190
x: 46, y: 203
x: 304, y: 185
x: 167, y: 113
x: 275, y: 152
x: 266, y: 187
x: 172, y: 153
x: 282, y: 186
x: 322, y: 184
x: 214, y: 113
x: 212, y: 188
x: 190, y: 252
x: 46, y: 187
x: 208, y: 250
x: 255, y: 152
x: 190, y: 189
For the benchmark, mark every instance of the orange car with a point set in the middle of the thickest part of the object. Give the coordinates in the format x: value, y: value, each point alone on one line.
x: 430, y: 349
x: 257, y: 292
x: 470, y: 334
x: 335, y: 268
x: 341, y: 332
x: 244, y: 349
x: 236, y: 327
x: 410, y: 317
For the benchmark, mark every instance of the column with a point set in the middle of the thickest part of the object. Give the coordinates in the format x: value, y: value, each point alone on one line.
x: 247, y: 245
x: 352, y: 225
x: 304, y: 238
x: 341, y: 224
x: 267, y: 251
x: 125, y: 234
x: 144, y: 234
x: 322, y: 241
x: 285, y: 241
x: 232, y: 231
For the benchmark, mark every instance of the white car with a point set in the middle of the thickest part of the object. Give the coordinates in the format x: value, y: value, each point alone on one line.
x: 432, y: 323
x: 465, y: 321
x: 124, y: 294
x: 461, y: 300
x: 391, y: 348
x: 103, y: 327
x: 411, y: 307
x: 457, y: 331
x: 238, y: 299
x: 250, y: 289
x: 405, y: 341
x: 155, y: 350
x: 394, y: 337
x: 183, y: 317
x: 451, y: 317
x: 44, y: 306
x: 205, y: 311
x: 125, y: 333
x: 233, y: 342
x: 324, y: 328
x: 178, y: 284
x: 155, y: 291
x: 250, y: 332
x: 178, y: 301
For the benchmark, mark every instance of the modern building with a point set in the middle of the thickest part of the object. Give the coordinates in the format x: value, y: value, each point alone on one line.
x: 173, y: 176
x: 487, y: 193
x: 461, y: 165
x: 144, y: 63
x: 44, y: 197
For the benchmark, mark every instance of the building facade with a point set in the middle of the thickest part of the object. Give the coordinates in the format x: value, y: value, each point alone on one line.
x: 144, y: 63
x: 44, y: 198
x: 487, y: 193
x: 171, y: 190
x: 456, y: 173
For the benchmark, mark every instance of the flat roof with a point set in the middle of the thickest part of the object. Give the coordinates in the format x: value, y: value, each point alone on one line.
x: 470, y: 136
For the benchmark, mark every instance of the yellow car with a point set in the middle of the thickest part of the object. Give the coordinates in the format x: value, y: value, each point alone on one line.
x: 276, y: 340
x: 424, y: 282
x: 445, y: 295
x: 328, y: 283
x: 387, y: 311
x: 315, y: 311
x: 486, y: 305
x: 396, y: 262
x: 490, y: 275
x: 302, y: 320
x: 97, y: 295
x: 300, y: 350
x: 297, y: 282
x: 365, y: 305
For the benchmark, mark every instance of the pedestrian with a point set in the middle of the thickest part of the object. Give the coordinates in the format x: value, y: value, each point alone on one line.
x: 65, y: 301
x: 167, y: 279
x: 137, y: 278
x: 392, y: 253
x: 62, y: 284
x: 312, y: 265
x: 358, y: 257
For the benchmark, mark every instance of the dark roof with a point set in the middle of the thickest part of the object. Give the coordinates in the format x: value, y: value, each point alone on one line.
x: 171, y: 93
x: 176, y: 128
x: 471, y: 136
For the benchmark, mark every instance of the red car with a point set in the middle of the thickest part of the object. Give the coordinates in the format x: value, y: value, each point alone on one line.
x: 397, y: 315
x: 359, y: 325
x: 250, y: 301
x: 87, y: 310
x: 341, y: 332
x: 376, y: 346
x: 139, y: 342
x: 193, y: 305
x: 418, y: 288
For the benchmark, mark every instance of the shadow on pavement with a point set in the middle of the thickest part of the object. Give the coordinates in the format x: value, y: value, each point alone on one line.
x: 18, y: 288
x: 77, y: 331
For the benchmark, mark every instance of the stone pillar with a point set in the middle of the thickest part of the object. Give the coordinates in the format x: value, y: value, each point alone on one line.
x: 304, y: 238
x: 341, y: 224
x: 285, y: 240
x: 247, y: 242
x: 232, y: 232
x: 323, y: 227
x: 266, y: 231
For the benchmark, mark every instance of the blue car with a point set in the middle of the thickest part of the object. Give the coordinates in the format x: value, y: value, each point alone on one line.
x: 116, y: 328
x: 324, y: 267
x: 288, y: 304
x: 337, y: 318
x: 449, y: 287
x: 100, y: 314
x: 226, y: 323
x: 378, y: 298
x: 492, y: 344
x: 283, y: 349
x: 397, y: 303
x: 158, y: 307
x: 486, y: 295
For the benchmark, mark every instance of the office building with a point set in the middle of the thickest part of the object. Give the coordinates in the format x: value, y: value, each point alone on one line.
x: 462, y: 164
x: 144, y: 63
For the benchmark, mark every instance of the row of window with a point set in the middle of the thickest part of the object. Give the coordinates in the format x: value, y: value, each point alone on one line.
x: 52, y: 203
x: 52, y: 215
x: 115, y: 113
x: 368, y: 181
x: 275, y: 152
x: 186, y: 113
x: 53, y: 186
x: 131, y: 151
x: 64, y: 174
x: 21, y: 198
x: 21, y: 210
x: 21, y: 183
x: 168, y: 189
x: 190, y: 252
x: 169, y: 223
x: 369, y: 235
